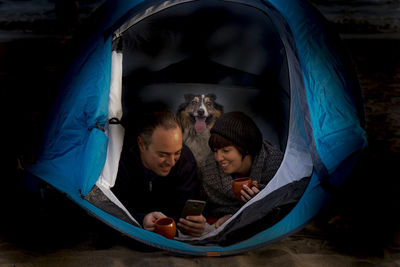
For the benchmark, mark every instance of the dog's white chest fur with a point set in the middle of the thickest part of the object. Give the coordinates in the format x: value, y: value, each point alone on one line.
x: 198, y: 144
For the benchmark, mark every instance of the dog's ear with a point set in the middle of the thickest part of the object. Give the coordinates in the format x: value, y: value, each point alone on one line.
x: 182, y: 106
x: 179, y: 118
x: 213, y: 97
x: 180, y: 109
x: 188, y: 97
x: 219, y: 107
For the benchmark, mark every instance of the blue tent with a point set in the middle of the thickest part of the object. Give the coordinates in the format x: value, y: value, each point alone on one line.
x: 278, y: 57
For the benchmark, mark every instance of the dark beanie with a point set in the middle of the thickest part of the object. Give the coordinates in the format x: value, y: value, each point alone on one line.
x: 240, y: 129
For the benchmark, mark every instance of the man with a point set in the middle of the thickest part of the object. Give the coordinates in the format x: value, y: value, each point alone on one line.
x: 157, y: 173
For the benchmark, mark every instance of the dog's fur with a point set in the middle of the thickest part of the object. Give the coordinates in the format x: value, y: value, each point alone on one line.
x: 197, y: 116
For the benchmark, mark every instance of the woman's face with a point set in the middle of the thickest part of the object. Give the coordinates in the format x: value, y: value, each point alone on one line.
x: 231, y: 161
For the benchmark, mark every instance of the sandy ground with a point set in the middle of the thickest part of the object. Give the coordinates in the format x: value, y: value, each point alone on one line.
x: 359, y: 227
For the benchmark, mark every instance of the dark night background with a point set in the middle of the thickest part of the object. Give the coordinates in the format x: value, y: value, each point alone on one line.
x: 360, y: 226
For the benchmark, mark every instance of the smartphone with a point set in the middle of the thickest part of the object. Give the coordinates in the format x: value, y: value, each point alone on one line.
x: 193, y: 208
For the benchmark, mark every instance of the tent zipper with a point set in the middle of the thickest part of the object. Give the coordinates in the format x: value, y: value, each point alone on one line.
x: 97, y: 126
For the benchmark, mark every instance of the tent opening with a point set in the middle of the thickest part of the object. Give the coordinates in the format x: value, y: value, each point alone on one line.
x: 231, y: 50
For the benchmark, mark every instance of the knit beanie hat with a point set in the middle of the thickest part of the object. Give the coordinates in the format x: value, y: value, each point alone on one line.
x: 240, y: 129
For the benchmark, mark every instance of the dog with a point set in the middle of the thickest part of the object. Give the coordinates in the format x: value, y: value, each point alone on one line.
x: 197, y: 115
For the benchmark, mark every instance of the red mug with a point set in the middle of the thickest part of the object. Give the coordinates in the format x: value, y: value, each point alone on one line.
x: 166, y: 227
x: 237, y: 185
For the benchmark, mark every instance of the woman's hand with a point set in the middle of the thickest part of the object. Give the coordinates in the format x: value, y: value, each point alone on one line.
x: 248, y: 193
x: 221, y: 220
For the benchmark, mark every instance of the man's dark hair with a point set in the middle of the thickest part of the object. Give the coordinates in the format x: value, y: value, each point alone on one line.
x: 152, y: 116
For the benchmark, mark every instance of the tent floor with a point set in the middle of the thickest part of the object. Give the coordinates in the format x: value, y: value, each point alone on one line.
x: 61, y: 234
x: 47, y: 228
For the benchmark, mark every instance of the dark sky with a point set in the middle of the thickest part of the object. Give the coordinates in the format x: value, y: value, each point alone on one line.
x: 365, y: 15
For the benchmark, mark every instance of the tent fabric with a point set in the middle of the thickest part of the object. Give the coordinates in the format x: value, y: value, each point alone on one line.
x: 320, y: 129
x: 290, y: 171
x: 262, y: 214
x: 336, y: 124
x: 73, y: 147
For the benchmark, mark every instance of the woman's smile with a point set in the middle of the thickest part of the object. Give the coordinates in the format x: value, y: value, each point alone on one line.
x: 231, y: 161
x: 224, y: 165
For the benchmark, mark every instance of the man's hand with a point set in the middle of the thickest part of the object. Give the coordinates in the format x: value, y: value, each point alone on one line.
x: 149, y: 219
x: 192, y: 225
x: 248, y: 193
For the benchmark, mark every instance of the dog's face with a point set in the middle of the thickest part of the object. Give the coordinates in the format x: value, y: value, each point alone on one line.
x: 199, y: 111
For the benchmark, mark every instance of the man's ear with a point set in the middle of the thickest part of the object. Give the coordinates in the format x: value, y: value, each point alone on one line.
x: 140, y: 143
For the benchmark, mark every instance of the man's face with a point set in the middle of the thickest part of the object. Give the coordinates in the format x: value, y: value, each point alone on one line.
x: 163, y: 151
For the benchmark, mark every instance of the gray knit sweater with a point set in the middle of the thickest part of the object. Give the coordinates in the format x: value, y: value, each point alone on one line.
x: 217, y: 186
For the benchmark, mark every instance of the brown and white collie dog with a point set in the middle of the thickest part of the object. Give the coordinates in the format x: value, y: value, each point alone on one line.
x: 197, y: 116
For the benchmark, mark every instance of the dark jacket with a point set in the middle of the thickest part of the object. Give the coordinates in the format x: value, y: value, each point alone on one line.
x: 142, y: 191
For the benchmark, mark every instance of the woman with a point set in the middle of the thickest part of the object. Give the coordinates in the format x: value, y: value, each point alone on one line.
x: 239, y: 151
